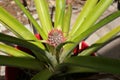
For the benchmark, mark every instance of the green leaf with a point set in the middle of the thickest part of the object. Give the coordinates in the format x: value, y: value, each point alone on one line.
x: 45, y: 74
x: 59, y: 13
x: 101, y: 42
x: 99, y: 64
x: 20, y: 62
x: 68, y: 48
x: 98, y: 25
x: 90, y: 20
x: 43, y: 13
x: 58, y: 48
x: 21, y: 42
x: 34, y: 22
x: 16, y: 27
x: 67, y: 20
x: 40, y: 53
x: 87, y: 9
x: 13, y: 52
x: 66, y: 68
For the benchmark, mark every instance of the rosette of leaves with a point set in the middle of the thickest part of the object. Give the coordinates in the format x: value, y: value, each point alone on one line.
x: 52, y: 55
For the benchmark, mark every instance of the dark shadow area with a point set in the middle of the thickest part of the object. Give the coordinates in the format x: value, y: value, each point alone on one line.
x: 2, y: 78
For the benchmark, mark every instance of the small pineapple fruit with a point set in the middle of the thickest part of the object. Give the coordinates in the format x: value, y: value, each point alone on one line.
x: 55, y: 37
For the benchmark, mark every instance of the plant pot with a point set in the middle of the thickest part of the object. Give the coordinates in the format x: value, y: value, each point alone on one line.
x: 11, y: 73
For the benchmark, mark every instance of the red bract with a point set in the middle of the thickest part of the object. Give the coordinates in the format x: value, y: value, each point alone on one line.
x: 76, y: 50
x: 79, y: 48
x: 38, y: 36
x: 83, y: 45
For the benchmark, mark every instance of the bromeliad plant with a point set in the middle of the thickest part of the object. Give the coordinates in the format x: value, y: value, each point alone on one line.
x: 52, y: 54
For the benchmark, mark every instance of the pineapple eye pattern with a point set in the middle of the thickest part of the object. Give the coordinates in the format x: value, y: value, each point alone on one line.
x: 55, y: 37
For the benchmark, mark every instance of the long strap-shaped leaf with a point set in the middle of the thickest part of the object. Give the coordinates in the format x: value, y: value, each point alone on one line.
x: 66, y: 68
x: 89, y: 6
x: 43, y: 13
x: 93, y: 16
x: 34, y: 22
x: 40, y: 53
x: 67, y: 20
x: 101, y: 42
x: 20, y: 62
x: 13, y: 52
x: 59, y: 13
x: 70, y: 47
x: 43, y: 75
x: 98, y: 25
x: 99, y: 64
x: 16, y: 27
